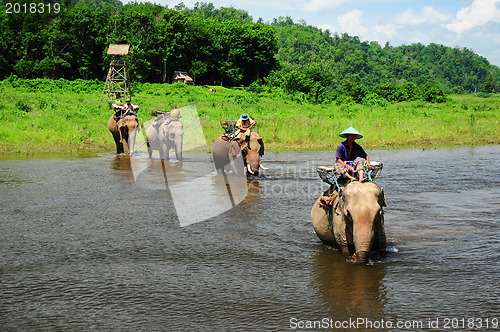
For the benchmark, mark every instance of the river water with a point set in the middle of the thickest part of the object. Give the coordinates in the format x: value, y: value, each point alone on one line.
x: 103, y: 243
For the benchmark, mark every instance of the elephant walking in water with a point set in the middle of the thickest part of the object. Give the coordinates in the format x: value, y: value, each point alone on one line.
x: 226, y: 152
x: 164, y: 135
x: 124, y: 130
x: 354, y: 224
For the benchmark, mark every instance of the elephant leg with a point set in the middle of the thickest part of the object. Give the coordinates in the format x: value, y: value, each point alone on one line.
x: 236, y: 166
x: 150, y: 151
x: 164, y: 150
x: 118, y: 143
x: 178, y: 150
x: 119, y: 148
x: 125, y: 146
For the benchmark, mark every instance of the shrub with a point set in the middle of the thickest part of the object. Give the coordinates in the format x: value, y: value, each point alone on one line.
x: 374, y: 99
x: 432, y: 94
x: 23, y: 107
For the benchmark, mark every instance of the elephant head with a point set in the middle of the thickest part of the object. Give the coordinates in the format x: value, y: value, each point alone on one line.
x: 354, y: 223
x: 360, y: 211
x: 171, y: 135
x: 128, y: 126
x: 252, y: 149
x: 124, y: 131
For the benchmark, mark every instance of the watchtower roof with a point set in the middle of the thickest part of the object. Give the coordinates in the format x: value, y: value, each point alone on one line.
x: 118, y: 49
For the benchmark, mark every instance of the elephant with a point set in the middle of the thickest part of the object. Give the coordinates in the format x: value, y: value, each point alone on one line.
x: 124, y: 130
x: 164, y: 135
x: 358, y: 221
x: 226, y: 152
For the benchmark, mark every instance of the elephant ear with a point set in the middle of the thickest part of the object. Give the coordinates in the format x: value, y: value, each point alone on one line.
x: 381, y: 198
x: 234, y: 149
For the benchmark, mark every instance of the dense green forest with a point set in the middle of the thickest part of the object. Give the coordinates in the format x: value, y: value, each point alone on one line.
x: 226, y: 46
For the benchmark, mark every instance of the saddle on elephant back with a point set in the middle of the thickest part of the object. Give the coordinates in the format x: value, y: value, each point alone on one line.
x: 121, y: 110
x: 327, y: 173
x: 232, y: 133
x: 230, y: 130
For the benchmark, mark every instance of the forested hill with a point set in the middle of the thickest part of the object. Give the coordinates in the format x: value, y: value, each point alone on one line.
x: 219, y: 46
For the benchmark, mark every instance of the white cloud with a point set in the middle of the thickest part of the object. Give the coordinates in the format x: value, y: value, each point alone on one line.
x: 427, y: 15
x: 325, y: 27
x: 352, y: 23
x: 387, y: 30
x: 317, y: 6
x: 480, y: 13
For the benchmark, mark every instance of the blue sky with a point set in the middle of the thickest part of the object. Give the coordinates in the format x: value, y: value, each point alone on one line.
x: 473, y: 24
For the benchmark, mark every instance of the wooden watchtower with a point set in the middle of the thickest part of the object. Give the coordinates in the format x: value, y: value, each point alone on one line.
x: 117, y: 84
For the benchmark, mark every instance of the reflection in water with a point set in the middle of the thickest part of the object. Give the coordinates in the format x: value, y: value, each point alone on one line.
x: 121, y: 162
x: 254, y: 191
x: 197, y: 191
x: 350, y: 290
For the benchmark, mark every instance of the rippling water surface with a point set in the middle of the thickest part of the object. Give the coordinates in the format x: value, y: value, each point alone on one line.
x: 89, y: 244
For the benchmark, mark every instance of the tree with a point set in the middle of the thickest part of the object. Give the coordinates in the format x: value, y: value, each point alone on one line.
x: 489, y: 85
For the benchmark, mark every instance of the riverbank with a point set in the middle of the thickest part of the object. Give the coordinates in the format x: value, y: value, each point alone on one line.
x: 40, y: 119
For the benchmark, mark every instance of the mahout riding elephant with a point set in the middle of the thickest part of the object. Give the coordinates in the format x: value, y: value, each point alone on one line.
x: 164, y: 135
x: 354, y: 223
x: 124, y: 130
x: 226, y: 152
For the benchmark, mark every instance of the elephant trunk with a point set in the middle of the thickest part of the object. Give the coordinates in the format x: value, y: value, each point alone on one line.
x: 363, y: 235
x: 360, y: 257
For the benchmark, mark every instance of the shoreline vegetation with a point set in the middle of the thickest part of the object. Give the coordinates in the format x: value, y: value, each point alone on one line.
x: 57, y: 119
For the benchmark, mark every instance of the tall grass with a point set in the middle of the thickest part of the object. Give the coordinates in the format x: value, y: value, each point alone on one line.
x: 37, y: 117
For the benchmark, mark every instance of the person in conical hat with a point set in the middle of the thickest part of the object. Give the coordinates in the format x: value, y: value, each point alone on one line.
x: 350, y: 156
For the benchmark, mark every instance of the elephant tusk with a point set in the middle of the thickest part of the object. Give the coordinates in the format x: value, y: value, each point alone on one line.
x: 264, y: 168
x: 249, y: 168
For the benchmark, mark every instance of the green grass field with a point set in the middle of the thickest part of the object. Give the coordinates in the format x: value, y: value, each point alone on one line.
x: 52, y: 118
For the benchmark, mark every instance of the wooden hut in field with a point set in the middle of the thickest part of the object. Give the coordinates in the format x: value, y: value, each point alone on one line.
x: 182, y: 77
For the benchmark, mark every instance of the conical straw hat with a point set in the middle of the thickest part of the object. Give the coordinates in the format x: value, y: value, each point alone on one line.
x: 350, y: 131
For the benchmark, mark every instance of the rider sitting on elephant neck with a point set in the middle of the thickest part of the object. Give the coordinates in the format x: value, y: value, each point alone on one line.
x: 245, y: 125
x: 129, y: 108
x: 347, y: 154
x: 125, y: 110
x: 175, y: 115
